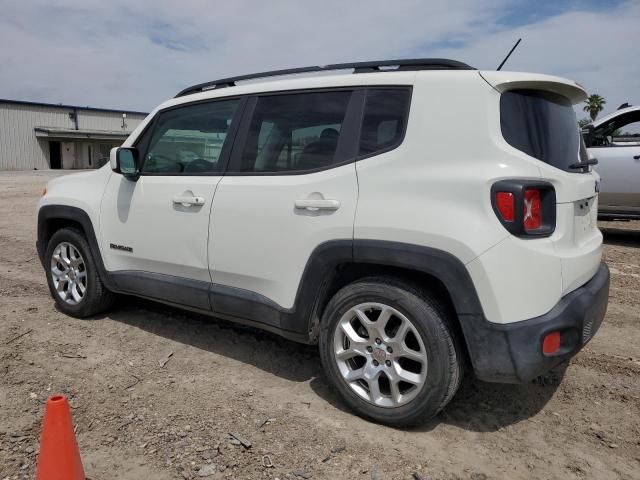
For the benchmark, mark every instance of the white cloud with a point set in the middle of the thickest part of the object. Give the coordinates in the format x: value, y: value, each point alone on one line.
x: 596, y: 49
x: 135, y: 55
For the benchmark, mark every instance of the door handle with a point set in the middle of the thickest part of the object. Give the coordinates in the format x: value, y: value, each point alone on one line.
x: 636, y: 157
x: 313, y: 204
x: 188, y: 200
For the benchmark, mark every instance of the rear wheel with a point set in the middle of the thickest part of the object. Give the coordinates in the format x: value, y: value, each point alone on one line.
x: 387, y: 348
x: 72, y: 276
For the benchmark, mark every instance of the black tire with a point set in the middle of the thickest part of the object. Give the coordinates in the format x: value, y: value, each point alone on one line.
x: 445, y: 362
x: 97, y: 297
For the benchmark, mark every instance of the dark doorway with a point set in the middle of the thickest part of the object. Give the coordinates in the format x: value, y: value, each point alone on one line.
x: 55, y: 155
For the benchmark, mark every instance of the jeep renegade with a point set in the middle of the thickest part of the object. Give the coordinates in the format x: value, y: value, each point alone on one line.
x: 410, y: 217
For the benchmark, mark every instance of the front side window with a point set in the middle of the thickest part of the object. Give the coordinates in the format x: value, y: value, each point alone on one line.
x: 385, y: 116
x: 294, y: 132
x: 189, y: 140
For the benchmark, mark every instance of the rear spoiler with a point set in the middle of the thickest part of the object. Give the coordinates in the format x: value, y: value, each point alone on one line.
x: 503, y: 81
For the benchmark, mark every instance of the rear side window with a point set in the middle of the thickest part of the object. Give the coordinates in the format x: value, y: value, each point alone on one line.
x: 295, y: 132
x: 542, y: 125
x: 189, y: 139
x: 384, y: 120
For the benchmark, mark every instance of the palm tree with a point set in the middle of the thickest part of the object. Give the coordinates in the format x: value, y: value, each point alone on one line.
x: 594, y: 105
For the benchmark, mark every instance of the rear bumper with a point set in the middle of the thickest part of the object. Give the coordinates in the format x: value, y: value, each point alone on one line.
x: 512, y: 353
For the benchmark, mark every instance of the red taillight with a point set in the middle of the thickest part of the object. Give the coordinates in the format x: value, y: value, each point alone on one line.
x: 525, y: 208
x: 532, y: 209
x: 505, y: 205
x: 551, y: 343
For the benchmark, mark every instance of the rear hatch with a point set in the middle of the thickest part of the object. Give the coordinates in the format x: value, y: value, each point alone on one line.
x: 537, y: 118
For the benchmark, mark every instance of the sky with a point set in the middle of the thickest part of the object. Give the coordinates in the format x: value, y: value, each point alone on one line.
x: 135, y: 55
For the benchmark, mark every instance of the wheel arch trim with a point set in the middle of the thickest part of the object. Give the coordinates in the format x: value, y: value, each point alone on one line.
x: 437, y: 263
x: 49, y: 214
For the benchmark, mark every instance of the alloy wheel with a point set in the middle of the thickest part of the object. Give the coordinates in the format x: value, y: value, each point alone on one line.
x: 380, y: 354
x: 69, y: 273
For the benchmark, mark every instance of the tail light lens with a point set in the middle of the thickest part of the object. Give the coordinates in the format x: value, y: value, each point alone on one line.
x: 505, y: 205
x: 526, y: 208
x: 532, y: 209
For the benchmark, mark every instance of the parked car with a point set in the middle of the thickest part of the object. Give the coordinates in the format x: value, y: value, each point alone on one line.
x: 614, y: 141
x: 343, y: 210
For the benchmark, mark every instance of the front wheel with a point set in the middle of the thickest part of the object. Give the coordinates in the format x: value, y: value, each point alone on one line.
x: 72, y: 276
x: 387, y: 348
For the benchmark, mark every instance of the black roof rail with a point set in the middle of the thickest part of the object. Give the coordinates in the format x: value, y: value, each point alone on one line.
x: 358, y: 67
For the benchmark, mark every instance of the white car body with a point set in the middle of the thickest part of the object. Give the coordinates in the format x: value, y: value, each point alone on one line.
x: 248, y: 238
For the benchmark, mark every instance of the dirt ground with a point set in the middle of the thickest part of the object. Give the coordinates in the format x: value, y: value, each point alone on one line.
x: 138, y: 419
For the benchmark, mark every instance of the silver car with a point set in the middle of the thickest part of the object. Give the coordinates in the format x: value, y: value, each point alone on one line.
x: 614, y: 141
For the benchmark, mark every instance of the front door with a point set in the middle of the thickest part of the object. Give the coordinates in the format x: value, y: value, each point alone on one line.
x: 154, y: 231
x: 619, y: 169
x: 617, y: 148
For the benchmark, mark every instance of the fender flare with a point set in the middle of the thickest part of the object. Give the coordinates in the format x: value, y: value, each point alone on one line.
x: 437, y: 263
x: 50, y: 213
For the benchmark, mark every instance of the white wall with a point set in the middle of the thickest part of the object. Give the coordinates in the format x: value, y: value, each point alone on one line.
x: 20, y: 149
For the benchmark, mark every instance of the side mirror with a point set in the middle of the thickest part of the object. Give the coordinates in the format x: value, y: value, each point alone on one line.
x: 587, y: 135
x: 124, y: 160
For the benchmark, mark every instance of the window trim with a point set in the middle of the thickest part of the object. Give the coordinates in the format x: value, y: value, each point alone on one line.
x: 231, y: 153
x: 225, y: 154
x: 347, y: 147
x: 405, y: 124
x: 633, y: 113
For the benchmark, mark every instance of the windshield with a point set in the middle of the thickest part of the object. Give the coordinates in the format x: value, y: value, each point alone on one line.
x: 543, y: 125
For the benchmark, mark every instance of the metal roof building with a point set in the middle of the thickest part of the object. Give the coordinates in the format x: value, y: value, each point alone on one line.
x: 42, y: 135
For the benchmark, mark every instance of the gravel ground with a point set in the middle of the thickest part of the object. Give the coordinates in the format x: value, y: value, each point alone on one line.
x: 136, y: 418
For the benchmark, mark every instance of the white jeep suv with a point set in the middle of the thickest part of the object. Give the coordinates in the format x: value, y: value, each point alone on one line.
x: 410, y: 217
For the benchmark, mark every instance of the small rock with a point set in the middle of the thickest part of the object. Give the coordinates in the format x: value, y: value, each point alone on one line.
x: 478, y: 476
x: 613, y: 445
x: 243, y: 441
x: 207, y: 470
x: 29, y: 449
x: 163, y: 361
x: 301, y: 473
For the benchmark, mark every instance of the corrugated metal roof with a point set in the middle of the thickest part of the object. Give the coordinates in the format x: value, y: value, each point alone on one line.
x: 60, y: 105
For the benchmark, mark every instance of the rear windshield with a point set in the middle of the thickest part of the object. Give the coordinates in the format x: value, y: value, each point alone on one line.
x: 542, y: 125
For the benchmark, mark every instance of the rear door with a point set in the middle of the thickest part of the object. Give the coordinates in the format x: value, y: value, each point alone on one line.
x: 154, y: 231
x: 291, y: 186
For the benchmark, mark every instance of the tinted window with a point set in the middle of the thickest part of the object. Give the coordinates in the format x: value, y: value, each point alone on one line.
x: 294, y: 132
x: 542, y: 125
x: 189, y: 139
x: 385, y: 115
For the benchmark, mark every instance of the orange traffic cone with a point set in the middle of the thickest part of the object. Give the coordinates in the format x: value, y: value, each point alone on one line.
x: 59, y: 457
